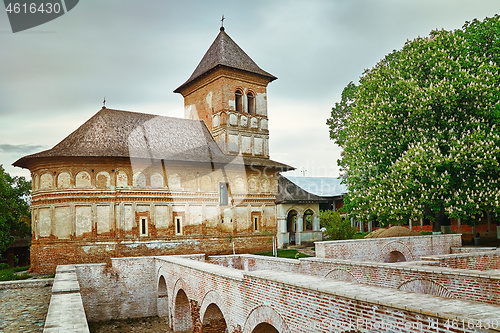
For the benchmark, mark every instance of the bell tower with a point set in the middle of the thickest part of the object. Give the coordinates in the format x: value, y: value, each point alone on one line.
x: 228, y: 91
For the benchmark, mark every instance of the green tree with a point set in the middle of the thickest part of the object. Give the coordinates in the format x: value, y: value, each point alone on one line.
x: 14, y: 208
x: 336, y: 226
x: 421, y: 138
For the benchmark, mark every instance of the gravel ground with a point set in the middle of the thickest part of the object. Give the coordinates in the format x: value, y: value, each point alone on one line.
x: 24, y: 309
x: 140, y: 325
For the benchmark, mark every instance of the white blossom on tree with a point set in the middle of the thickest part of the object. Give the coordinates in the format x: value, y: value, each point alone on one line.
x: 420, y: 133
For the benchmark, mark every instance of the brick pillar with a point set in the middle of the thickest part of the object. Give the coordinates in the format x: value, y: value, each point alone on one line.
x: 195, y: 316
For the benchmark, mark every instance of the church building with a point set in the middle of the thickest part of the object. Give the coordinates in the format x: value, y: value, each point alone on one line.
x: 134, y: 184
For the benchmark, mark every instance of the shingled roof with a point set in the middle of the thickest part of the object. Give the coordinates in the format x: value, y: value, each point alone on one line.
x: 116, y: 133
x: 288, y: 192
x: 225, y: 52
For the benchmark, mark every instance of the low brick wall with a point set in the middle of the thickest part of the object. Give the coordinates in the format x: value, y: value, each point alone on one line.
x: 468, y: 249
x: 249, y: 262
x: 66, y: 312
x: 451, y: 283
x: 380, y: 249
x: 45, y: 257
x: 293, y: 302
x: 482, y: 261
x: 410, y: 276
x: 125, y: 289
x: 26, y: 283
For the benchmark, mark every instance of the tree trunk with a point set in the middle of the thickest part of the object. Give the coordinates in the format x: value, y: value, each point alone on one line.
x: 441, y: 220
x: 438, y: 220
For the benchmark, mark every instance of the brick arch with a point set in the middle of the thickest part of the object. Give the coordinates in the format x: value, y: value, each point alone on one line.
x: 424, y: 286
x: 240, y: 184
x: 139, y: 180
x: 214, y: 309
x: 46, y: 181
x: 83, y: 180
x: 265, y: 184
x: 265, y: 314
x: 342, y: 275
x: 180, y: 284
x: 181, y: 307
x: 162, y: 296
x: 122, y: 177
x: 394, y: 246
x: 63, y: 179
x: 212, y: 297
x: 101, y: 182
x: 206, y: 183
x: 253, y: 184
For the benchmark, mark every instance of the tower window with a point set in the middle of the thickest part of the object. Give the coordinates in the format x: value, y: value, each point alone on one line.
x: 238, y: 97
x: 143, y: 226
x: 178, y: 225
x: 251, y: 103
x: 223, y: 194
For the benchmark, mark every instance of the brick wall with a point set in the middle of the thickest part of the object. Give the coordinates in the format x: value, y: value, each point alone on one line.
x: 417, y: 277
x: 125, y: 289
x: 294, y: 302
x: 482, y: 261
x: 46, y: 257
x: 379, y: 249
x: 289, y: 301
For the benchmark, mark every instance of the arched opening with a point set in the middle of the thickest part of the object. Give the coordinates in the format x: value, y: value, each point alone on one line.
x: 308, y: 220
x: 251, y: 103
x: 426, y: 287
x: 182, y: 314
x: 342, y: 275
x: 264, y: 328
x: 238, y: 99
x: 162, y: 302
x: 213, y: 320
x: 290, y: 226
x: 395, y: 256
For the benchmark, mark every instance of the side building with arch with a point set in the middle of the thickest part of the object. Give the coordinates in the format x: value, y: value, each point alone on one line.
x: 297, y: 212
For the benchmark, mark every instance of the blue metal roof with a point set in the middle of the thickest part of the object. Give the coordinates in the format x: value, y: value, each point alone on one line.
x: 321, y: 186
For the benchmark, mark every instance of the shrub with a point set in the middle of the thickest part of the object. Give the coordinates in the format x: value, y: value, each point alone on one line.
x: 336, y: 226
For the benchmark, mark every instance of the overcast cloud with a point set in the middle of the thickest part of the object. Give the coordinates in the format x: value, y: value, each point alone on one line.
x: 135, y: 53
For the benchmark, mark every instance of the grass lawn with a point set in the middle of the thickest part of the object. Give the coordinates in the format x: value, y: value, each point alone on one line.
x: 286, y: 253
x: 9, y: 274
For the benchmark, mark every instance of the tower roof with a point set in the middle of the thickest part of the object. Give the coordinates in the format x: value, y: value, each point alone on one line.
x: 225, y: 52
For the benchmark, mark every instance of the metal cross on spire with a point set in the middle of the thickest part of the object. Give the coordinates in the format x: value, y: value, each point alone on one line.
x: 222, y: 21
x: 104, y: 103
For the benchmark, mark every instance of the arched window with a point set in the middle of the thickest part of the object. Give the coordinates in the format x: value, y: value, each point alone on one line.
x: 251, y: 103
x: 238, y: 97
x: 308, y: 220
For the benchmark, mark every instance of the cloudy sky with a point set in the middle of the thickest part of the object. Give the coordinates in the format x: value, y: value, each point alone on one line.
x: 135, y: 53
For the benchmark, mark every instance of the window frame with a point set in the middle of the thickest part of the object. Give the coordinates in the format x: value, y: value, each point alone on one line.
x: 178, y: 225
x: 251, y: 103
x: 223, y: 194
x: 238, y: 100
x: 143, y: 226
